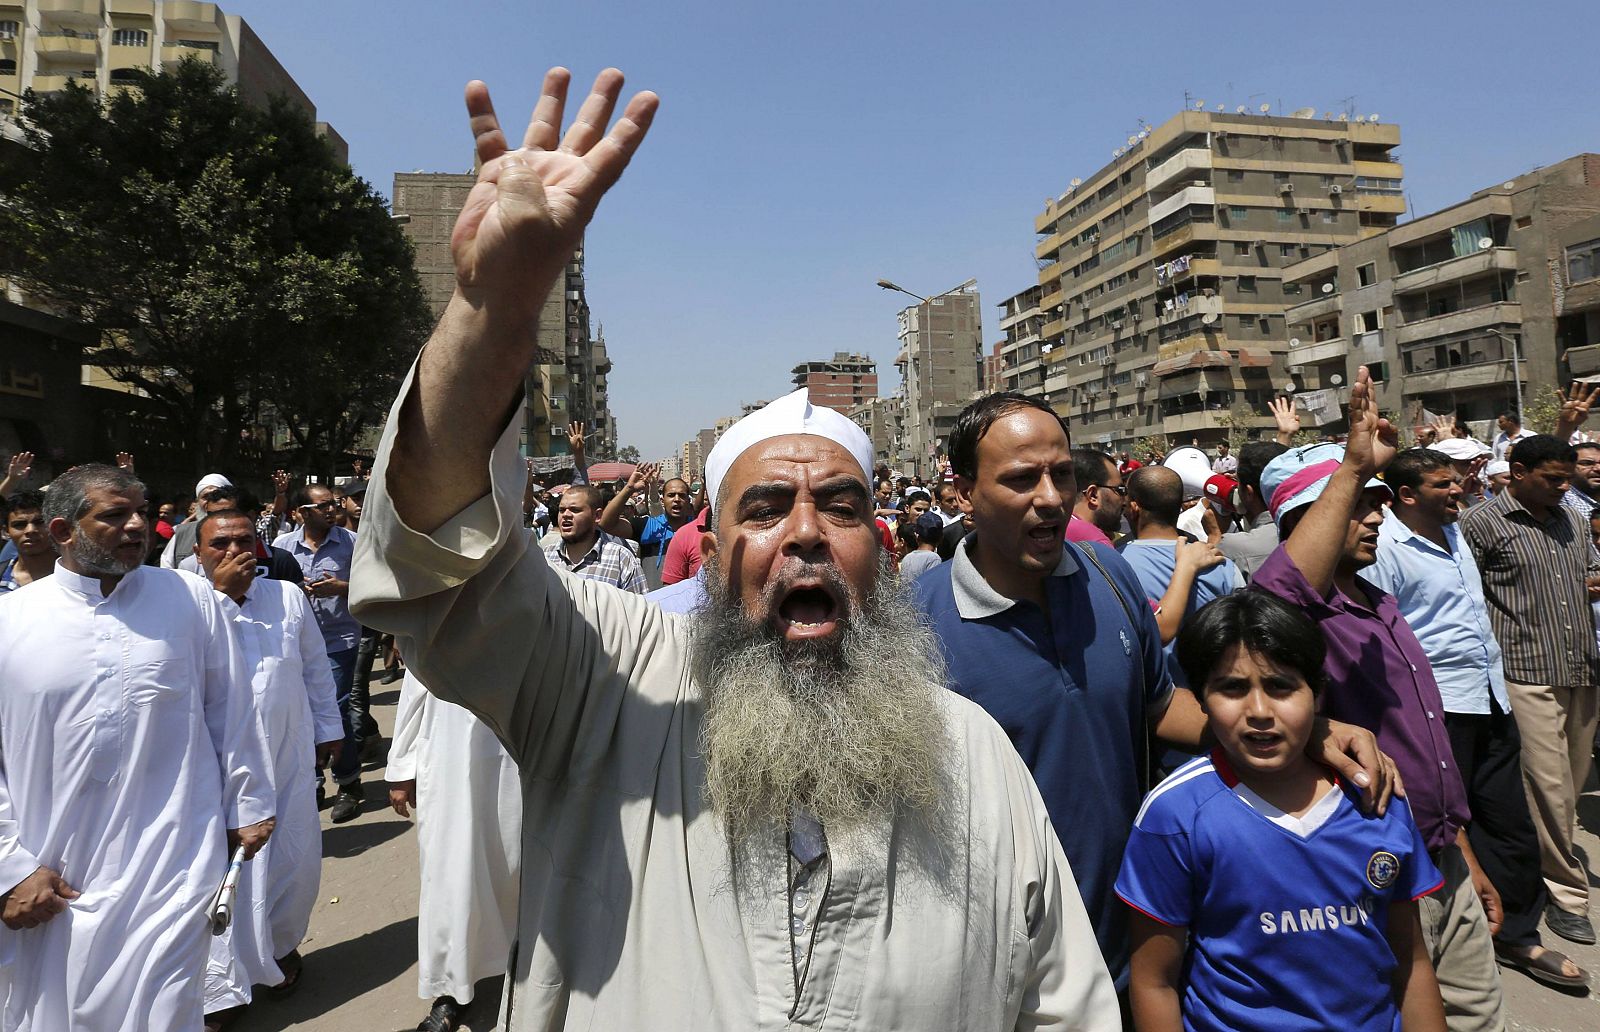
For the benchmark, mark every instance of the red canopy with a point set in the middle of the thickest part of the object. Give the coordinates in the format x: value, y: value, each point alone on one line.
x: 602, y: 472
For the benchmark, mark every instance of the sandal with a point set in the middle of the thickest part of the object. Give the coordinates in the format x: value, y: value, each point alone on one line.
x: 444, y: 1017
x: 1546, y: 968
x: 291, y: 965
x: 222, y: 1019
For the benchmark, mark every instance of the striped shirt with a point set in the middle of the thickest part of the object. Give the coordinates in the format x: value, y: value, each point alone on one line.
x: 609, y: 561
x: 1533, y: 579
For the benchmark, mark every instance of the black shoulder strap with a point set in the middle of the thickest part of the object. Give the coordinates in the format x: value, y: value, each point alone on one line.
x: 1143, y: 733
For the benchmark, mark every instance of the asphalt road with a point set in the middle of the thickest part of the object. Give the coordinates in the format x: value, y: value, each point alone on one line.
x: 361, y: 953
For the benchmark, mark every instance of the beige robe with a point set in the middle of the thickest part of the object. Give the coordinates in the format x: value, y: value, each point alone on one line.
x: 635, y: 912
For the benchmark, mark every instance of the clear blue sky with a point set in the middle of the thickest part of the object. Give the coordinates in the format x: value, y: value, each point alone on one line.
x: 803, y: 151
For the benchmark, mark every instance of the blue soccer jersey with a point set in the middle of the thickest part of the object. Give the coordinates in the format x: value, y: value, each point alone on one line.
x: 1286, y: 915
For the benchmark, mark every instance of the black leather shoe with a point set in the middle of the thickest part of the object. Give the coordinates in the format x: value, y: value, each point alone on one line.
x: 1571, y: 927
x: 445, y: 1016
x: 347, y: 803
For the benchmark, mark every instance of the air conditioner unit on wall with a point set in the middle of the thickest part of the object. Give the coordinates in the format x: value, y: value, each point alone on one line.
x: 1286, y: 188
x: 1141, y: 379
x: 1336, y: 189
x: 1106, y: 360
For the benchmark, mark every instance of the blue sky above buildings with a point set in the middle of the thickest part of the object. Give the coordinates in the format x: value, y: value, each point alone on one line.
x: 805, y: 150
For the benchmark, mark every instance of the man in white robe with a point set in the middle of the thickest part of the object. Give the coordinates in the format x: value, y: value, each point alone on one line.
x: 468, y: 797
x: 131, y: 761
x: 726, y: 825
x: 292, y: 685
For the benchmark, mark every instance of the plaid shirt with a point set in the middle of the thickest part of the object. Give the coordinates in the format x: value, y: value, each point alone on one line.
x: 608, y: 561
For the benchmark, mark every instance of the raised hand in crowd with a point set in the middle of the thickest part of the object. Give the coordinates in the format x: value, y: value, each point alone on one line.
x: 575, y: 440
x: 1575, y: 405
x: 1287, y: 417
x: 359, y: 469
x: 17, y: 470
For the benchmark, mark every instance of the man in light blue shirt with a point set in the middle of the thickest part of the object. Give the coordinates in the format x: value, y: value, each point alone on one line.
x: 1425, y: 565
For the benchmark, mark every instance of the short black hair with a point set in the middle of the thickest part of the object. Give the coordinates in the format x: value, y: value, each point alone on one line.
x: 226, y: 493
x: 1511, y: 417
x: 976, y: 419
x: 1261, y: 622
x: 222, y: 514
x: 1409, y: 467
x: 1092, y: 467
x: 1532, y: 452
x: 1159, y: 493
x: 22, y: 501
x: 302, y: 495
x: 1253, y: 458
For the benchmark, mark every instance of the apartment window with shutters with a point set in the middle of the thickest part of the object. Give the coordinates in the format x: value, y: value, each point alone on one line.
x: 1247, y: 284
x: 1235, y: 175
x: 8, y: 66
x: 130, y: 38
x: 1367, y: 274
x: 1583, y: 261
x: 9, y: 29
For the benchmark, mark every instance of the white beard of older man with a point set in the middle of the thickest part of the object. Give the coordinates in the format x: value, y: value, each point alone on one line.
x: 765, y: 814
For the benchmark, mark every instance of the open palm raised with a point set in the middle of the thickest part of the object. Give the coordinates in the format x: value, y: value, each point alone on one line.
x: 527, y: 212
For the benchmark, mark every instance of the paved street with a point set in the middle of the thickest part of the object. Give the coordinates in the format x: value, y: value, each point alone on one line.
x: 361, y: 970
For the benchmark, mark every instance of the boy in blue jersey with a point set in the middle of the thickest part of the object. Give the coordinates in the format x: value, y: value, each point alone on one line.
x: 1263, y: 897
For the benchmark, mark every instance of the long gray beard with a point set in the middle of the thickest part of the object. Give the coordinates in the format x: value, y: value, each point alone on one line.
x: 843, y: 729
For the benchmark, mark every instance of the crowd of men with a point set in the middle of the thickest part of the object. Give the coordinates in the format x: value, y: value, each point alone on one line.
x: 1288, y: 738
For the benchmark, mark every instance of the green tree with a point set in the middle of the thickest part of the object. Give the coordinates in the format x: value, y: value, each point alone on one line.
x: 234, y: 268
x: 628, y: 453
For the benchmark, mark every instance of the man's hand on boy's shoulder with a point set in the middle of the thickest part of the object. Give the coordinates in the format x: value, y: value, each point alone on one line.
x: 1352, y: 752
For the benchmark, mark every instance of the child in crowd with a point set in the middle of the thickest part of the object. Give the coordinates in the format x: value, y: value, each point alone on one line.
x: 1263, y: 897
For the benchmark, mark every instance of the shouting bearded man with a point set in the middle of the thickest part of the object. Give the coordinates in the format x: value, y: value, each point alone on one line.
x: 767, y: 813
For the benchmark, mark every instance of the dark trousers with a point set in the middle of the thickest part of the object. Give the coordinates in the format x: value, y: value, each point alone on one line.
x: 1487, y: 749
x: 361, y: 687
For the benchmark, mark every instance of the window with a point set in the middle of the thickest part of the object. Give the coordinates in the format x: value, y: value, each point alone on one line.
x: 1280, y: 177
x: 1246, y: 322
x: 1330, y: 216
x: 199, y: 44
x: 1367, y: 274
x: 9, y: 29
x: 1235, y: 175
x: 1291, y: 290
x: 123, y: 75
x: 8, y: 66
x: 1286, y: 250
x: 1327, y: 181
x: 1285, y: 215
x: 1241, y: 250
x: 7, y: 105
x: 1367, y: 322
x: 130, y: 38
x: 1237, y: 213
x: 1583, y: 261
x: 1247, y: 284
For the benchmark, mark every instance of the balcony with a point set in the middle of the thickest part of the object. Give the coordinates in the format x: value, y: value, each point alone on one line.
x: 66, y: 44
x: 1461, y: 378
x: 135, y: 7
x: 1327, y: 304
x: 1180, y: 200
x: 174, y: 54
x: 52, y: 83
x: 1504, y: 313
x: 189, y: 15
x: 1469, y: 265
x: 1189, y: 422
x: 1187, y: 160
x: 71, y: 12
x: 1321, y: 351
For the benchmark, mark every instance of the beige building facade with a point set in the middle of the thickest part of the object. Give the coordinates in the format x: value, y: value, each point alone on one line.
x: 1162, y: 273
x: 940, y: 363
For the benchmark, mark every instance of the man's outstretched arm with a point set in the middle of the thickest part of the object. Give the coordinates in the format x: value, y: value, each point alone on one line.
x: 519, y: 226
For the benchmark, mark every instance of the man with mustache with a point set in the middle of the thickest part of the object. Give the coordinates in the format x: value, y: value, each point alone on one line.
x: 767, y: 814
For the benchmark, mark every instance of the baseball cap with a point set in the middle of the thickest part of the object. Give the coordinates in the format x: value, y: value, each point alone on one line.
x: 1298, y: 477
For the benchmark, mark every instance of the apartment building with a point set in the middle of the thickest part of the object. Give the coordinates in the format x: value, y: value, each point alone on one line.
x: 880, y: 419
x: 1452, y: 311
x: 841, y: 383
x: 1021, y: 361
x: 1163, y: 272
x: 568, y: 380
x: 46, y: 43
x: 940, y: 363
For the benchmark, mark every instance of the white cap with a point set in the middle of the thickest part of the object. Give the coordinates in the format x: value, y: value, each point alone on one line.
x: 1460, y: 449
x: 1497, y: 467
x: 790, y: 414
x: 212, y: 481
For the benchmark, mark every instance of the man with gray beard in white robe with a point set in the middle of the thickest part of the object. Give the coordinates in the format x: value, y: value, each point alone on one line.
x: 782, y: 820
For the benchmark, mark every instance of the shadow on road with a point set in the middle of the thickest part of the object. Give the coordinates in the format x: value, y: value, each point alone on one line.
x: 335, y: 975
x: 347, y: 840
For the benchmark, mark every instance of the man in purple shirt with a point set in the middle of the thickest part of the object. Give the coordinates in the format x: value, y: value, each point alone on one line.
x: 1329, y: 505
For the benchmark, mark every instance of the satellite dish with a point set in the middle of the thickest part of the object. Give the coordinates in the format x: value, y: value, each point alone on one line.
x: 1305, y: 112
x: 1076, y: 182
x: 1265, y: 108
x: 1222, y: 107
x: 1508, y: 184
x: 1344, y: 116
x: 1336, y: 379
x: 1208, y: 318
x: 1199, y: 105
x: 1240, y: 110
x: 1294, y: 342
x: 1132, y: 140
x: 1117, y: 153
x: 1289, y: 387
x: 1372, y: 118
x: 1484, y: 243
x: 1327, y: 116
x: 1144, y: 132
x: 1045, y: 349
x: 1327, y: 288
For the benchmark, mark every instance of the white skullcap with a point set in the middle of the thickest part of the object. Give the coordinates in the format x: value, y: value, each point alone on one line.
x: 1459, y: 449
x: 212, y: 481
x: 1497, y: 467
x: 790, y: 414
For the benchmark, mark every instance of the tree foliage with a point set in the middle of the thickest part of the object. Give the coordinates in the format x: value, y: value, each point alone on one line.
x: 628, y: 453
x: 236, y: 271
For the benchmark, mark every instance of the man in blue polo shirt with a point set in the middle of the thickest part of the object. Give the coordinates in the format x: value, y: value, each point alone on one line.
x: 1024, y: 616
